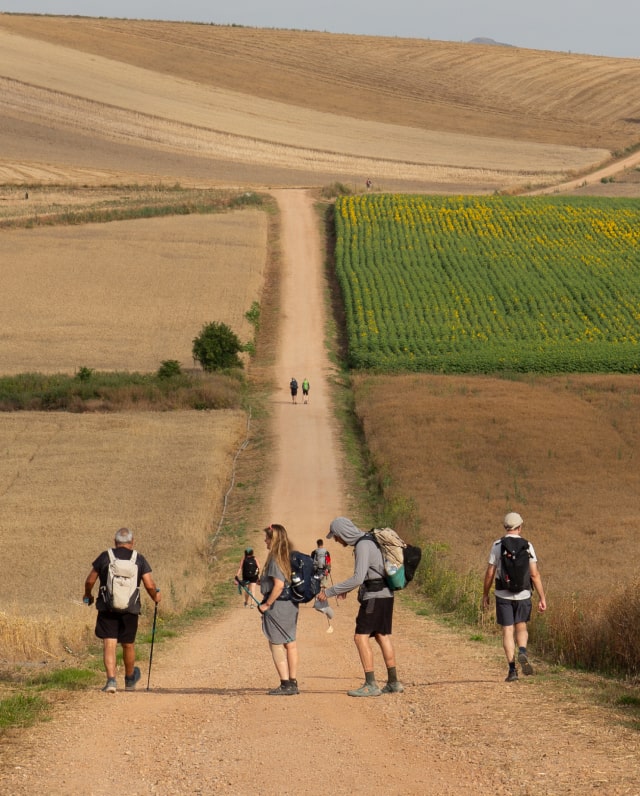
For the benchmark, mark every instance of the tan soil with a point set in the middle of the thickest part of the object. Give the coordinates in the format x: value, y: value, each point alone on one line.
x: 207, y: 725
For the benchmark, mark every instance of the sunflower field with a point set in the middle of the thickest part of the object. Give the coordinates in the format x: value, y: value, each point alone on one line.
x: 480, y: 284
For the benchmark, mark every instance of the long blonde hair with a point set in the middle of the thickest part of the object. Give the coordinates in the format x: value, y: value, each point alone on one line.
x: 280, y: 550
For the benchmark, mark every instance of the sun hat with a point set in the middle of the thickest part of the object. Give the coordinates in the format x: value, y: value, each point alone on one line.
x: 512, y: 520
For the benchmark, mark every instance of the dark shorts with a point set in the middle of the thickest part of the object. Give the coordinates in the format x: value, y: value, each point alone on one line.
x: 375, y: 617
x: 122, y: 627
x: 512, y: 612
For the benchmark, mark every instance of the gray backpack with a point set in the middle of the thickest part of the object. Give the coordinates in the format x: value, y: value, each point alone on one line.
x: 121, y: 589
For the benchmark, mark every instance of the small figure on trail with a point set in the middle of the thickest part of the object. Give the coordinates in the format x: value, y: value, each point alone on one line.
x: 513, y: 565
x: 375, y: 617
x: 369, y: 184
x: 121, y: 570
x: 279, y: 614
x: 248, y: 575
x: 293, y: 386
x: 305, y: 390
x: 321, y: 562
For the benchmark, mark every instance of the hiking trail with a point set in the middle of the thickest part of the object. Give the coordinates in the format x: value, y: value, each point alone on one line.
x: 207, y: 725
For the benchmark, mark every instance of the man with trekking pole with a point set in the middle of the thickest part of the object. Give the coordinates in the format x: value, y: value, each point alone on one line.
x: 513, y: 566
x: 121, y: 570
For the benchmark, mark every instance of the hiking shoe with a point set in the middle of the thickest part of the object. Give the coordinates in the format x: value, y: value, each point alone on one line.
x: 393, y: 688
x: 512, y: 676
x: 366, y: 690
x: 283, y: 690
x: 110, y: 686
x: 130, y: 682
x: 527, y: 668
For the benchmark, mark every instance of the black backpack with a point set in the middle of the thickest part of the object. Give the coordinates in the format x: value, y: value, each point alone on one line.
x: 249, y: 568
x: 304, y: 586
x: 514, y: 564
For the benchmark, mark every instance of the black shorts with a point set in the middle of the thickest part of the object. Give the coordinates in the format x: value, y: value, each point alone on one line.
x: 375, y: 617
x: 122, y: 627
x: 512, y: 612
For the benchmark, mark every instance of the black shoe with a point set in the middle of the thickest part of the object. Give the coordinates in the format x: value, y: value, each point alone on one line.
x: 527, y: 668
x: 283, y: 690
x: 512, y: 676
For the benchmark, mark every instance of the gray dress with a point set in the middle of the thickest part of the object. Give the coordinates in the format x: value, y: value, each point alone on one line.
x: 280, y: 621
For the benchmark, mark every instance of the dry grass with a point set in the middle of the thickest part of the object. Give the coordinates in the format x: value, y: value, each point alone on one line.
x: 70, y: 481
x: 561, y: 451
x: 289, y: 107
x: 126, y: 295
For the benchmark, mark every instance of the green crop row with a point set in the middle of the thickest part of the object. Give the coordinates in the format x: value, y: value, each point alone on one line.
x: 484, y: 284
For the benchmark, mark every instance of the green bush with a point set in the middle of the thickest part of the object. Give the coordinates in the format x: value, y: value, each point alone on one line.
x: 217, y: 347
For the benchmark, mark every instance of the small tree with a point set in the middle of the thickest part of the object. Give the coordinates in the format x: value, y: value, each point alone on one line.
x: 217, y: 347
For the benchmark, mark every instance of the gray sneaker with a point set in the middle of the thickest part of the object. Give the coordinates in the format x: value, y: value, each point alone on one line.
x: 366, y: 690
x: 526, y: 667
x: 130, y: 682
x: 512, y: 676
x: 110, y: 686
x: 283, y: 690
x: 393, y: 688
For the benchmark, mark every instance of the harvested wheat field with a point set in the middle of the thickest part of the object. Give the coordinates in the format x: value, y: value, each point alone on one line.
x: 70, y: 481
x: 127, y: 295
x: 171, y: 102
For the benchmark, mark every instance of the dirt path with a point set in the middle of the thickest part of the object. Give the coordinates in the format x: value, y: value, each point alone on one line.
x: 207, y: 726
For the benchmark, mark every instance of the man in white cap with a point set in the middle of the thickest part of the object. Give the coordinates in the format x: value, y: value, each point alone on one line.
x: 513, y: 565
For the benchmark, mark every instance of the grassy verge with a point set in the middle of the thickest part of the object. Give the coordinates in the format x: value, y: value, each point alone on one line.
x: 104, y: 392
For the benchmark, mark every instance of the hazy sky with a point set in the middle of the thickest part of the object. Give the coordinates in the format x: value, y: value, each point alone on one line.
x: 598, y: 27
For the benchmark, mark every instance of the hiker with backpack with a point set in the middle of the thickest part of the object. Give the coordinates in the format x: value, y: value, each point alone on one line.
x: 321, y: 562
x: 121, y: 570
x: 305, y: 390
x: 375, y: 617
x: 293, y: 387
x: 279, y: 611
x: 248, y: 575
x: 513, y: 566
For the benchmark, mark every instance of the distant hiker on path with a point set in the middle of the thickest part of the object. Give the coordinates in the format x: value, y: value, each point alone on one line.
x: 305, y: 390
x: 293, y: 386
x: 248, y: 575
x: 321, y: 562
x: 513, y: 565
x: 121, y: 570
x: 375, y: 617
x: 279, y: 615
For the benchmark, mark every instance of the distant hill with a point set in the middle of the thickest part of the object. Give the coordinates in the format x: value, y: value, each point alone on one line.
x: 485, y: 40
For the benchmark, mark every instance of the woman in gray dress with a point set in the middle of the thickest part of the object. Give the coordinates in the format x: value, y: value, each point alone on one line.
x: 279, y: 614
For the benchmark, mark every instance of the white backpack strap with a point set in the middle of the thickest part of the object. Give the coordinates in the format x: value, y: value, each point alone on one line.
x: 134, y: 556
x: 112, y: 557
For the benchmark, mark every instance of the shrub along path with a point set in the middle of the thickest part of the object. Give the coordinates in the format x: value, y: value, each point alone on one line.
x: 207, y: 725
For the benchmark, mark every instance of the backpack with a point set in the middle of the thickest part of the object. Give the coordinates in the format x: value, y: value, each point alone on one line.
x: 121, y: 589
x: 514, y: 564
x: 249, y: 568
x: 304, y: 586
x: 294, y: 384
x: 321, y: 560
x: 400, y: 559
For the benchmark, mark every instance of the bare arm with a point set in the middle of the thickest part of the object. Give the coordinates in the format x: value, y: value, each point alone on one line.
x: 278, y: 586
x: 150, y: 586
x: 89, y: 583
x: 537, y: 582
x: 489, y: 577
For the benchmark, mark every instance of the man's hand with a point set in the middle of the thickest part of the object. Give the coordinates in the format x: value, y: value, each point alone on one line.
x: 88, y: 600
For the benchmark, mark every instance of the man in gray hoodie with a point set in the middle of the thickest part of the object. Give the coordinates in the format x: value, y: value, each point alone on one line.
x: 375, y: 616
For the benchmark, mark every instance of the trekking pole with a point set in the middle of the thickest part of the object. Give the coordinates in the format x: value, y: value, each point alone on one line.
x: 153, y: 636
x: 331, y: 579
x: 277, y: 625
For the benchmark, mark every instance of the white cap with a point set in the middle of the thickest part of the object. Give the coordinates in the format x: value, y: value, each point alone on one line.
x: 512, y: 520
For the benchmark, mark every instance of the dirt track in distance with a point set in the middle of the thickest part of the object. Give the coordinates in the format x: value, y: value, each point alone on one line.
x: 207, y: 725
